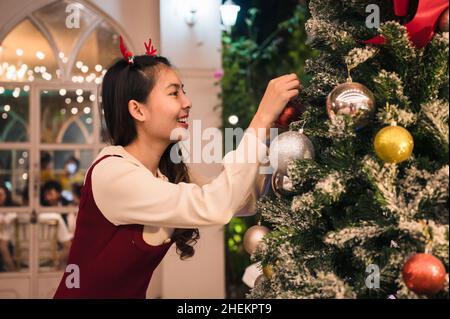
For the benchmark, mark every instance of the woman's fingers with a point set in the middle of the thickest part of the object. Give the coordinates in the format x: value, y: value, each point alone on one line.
x: 293, y: 93
x: 294, y: 84
x: 279, y: 91
x: 290, y: 76
x: 289, y: 82
x: 285, y: 83
x: 285, y: 78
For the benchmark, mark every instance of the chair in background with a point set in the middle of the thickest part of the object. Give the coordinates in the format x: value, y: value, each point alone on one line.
x: 47, y: 234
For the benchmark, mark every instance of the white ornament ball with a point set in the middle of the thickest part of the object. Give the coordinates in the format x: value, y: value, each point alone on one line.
x: 253, y: 237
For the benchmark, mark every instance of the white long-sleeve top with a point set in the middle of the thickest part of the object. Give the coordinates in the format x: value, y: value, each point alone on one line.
x: 126, y: 192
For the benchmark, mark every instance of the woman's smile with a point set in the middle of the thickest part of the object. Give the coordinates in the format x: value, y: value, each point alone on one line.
x: 183, y: 121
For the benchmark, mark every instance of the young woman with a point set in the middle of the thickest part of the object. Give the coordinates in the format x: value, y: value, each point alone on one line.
x: 136, y: 202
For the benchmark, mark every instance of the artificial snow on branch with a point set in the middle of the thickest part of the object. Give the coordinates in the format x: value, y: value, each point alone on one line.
x: 357, y: 56
x: 325, y: 33
x: 351, y: 236
x: 398, y: 42
x: 389, y: 87
x: 434, y: 120
x: 392, y: 113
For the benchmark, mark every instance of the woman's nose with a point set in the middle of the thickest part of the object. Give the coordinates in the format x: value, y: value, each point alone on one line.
x: 187, y: 104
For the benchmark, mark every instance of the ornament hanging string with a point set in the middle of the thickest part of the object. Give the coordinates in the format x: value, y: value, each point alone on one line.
x: 303, y: 126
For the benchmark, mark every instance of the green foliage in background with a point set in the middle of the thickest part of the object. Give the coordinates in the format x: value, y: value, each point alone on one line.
x: 248, y: 66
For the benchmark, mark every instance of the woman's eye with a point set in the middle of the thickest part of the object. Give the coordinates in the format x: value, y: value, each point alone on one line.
x: 176, y: 93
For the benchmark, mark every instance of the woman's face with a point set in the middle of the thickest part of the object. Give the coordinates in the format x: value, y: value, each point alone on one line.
x: 167, y: 108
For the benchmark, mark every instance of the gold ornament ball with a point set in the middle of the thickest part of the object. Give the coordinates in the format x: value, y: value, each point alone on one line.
x: 443, y: 21
x: 393, y: 144
x: 352, y: 99
x: 253, y: 237
x: 268, y: 271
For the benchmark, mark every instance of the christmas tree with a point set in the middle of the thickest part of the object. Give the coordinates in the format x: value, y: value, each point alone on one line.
x: 359, y: 207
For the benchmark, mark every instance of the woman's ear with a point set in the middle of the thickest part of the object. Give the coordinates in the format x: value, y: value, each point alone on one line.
x: 136, y: 111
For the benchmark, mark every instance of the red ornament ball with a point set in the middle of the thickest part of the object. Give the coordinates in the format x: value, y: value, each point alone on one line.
x: 291, y: 112
x: 424, y: 274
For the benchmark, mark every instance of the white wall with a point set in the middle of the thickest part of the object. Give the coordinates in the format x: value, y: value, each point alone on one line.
x: 194, y: 47
x: 139, y: 20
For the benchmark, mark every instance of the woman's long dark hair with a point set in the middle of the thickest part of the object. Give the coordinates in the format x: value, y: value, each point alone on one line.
x: 124, y: 82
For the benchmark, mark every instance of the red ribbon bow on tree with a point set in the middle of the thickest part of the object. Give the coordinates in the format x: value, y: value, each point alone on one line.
x: 421, y: 27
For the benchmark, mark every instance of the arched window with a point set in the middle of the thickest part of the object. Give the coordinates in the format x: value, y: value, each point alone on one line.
x: 52, y: 61
x: 62, y: 42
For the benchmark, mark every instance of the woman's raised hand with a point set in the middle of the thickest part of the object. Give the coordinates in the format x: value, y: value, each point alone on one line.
x: 278, y: 93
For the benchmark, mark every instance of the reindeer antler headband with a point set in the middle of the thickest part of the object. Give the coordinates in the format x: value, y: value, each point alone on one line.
x: 129, y: 56
x: 149, y: 49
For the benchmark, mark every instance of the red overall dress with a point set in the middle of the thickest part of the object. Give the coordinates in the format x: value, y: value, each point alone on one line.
x: 113, y: 261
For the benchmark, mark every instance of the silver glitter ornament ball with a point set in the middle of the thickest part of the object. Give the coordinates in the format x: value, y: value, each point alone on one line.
x: 253, y: 237
x: 290, y: 145
x: 352, y: 99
